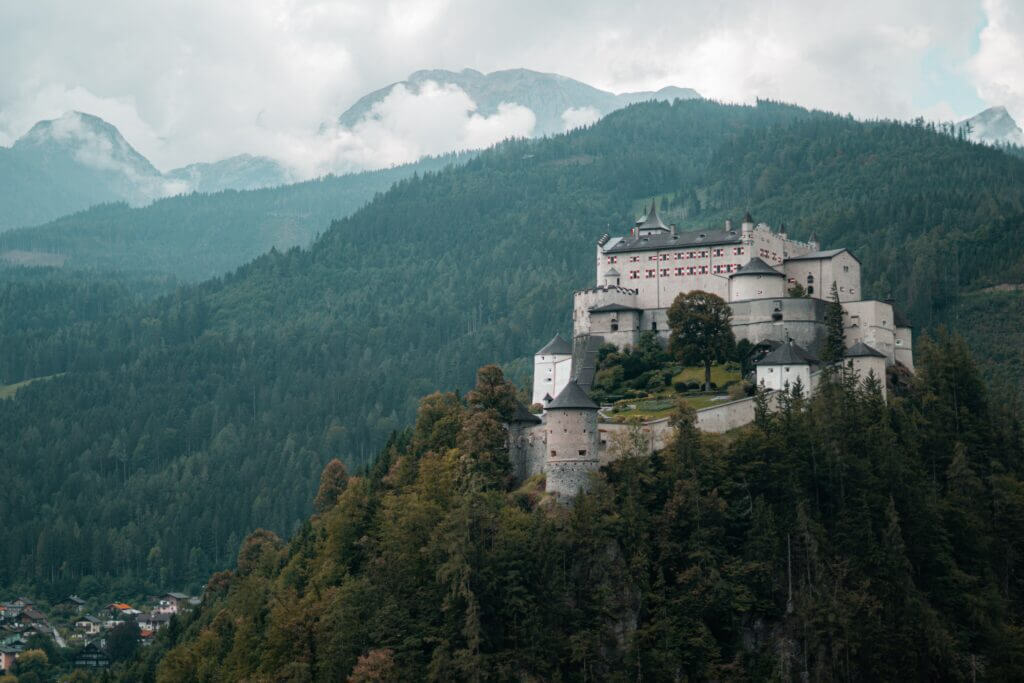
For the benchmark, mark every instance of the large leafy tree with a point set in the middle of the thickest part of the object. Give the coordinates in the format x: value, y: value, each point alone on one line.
x: 700, y: 330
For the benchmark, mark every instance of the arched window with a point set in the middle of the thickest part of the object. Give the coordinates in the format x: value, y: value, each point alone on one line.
x: 810, y: 279
x: 615, y: 325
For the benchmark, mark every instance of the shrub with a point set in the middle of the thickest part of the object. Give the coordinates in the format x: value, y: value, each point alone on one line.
x: 681, y: 386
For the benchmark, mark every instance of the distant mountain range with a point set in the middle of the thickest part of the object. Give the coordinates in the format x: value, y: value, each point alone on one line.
x: 557, y: 101
x: 68, y: 164
x: 993, y: 126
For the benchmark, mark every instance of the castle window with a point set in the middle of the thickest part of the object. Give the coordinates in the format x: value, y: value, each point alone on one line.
x: 654, y: 325
x: 679, y: 271
x: 717, y: 252
x: 680, y: 256
x: 634, y: 259
x: 664, y: 257
x: 692, y: 270
x: 615, y: 326
x: 554, y: 454
x: 582, y: 452
x: 810, y: 289
x: 664, y: 272
x: 810, y: 279
x: 846, y: 269
x: 703, y: 270
x: 634, y: 275
x: 613, y: 259
x: 652, y: 257
x: 651, y: 272
x: 737, y: 251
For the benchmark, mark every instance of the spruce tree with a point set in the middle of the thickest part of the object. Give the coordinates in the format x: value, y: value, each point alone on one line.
x: 834, y: 343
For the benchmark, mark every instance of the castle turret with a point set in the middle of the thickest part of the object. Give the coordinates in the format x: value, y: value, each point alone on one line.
x: 572, y: 441
x: 552, y: 368
x: 652, y: 224
x: 747, y: 226
x: 814, y: 241
x: 756, y: 280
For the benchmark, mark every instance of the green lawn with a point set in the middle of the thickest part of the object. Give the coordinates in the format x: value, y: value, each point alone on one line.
x: 9, y: 390
x: 719, y: 375
x: 657, y: 407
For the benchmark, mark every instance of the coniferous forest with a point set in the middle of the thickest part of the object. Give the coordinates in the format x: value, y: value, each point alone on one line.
x: 836, y: 538
x: 176, y: 418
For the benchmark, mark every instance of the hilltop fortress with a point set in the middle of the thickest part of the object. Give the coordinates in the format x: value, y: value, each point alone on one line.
x: 637, y: 278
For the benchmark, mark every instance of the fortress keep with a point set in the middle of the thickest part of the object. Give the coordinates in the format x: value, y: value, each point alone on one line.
x: 778, y: 289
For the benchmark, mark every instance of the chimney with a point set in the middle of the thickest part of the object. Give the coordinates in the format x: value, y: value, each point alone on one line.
x: 673, y: 227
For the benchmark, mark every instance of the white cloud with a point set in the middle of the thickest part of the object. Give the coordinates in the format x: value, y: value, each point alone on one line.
x: 200, y: 80
x: 403, y: 127
x: 997, y: 69
x: 577, y: 117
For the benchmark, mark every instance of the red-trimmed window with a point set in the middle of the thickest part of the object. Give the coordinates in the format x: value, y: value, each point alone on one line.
x: 634, y: 275
x: 650, y: 272
x: 717, y: 252
x: 737, y: 251
x: 613, y: 259
x: 680, y: 256
x: 652, y: 257
x: 664, y: 257
x: 634, y: 259
x: 703, y: 270
x: 692, y: 270
x: 679, y: 271
x: 664, y: 272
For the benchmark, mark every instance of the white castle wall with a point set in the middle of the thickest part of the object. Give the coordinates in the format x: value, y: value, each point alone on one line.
x: 550, y: 375
x: 871, y: 322
x: 817, y: 276
x: 779, y: 319
x: 743, y: 287
x: 904, y: 344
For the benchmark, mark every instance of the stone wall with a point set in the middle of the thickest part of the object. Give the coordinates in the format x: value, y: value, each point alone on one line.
x: 801, y: 320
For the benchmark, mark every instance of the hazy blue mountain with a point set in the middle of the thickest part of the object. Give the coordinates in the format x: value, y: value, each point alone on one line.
x: 993, y: 126
x: 548, y: 95
x: 197, y: 236
x: 242, y: 172
x: 68, y: 164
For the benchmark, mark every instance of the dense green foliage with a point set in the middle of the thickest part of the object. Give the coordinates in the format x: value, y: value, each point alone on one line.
x: 182, y: 424
x: 838, y: 538
x: 701, y: 330
x: 198, y: 236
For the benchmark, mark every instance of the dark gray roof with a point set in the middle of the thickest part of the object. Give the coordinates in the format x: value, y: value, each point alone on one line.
x: 899, y: 319
x: 572, y: 398
x: 747, y: 218
x: 652, y: 221
x: 556, y: 347
x: 860, y: 349
x: 826, y: 253
x: 678, y: 241
x: 613, y: 308
x: 611, y: 272
x: 789, y: 353
x: 522, y: 414
x: 756, y: 266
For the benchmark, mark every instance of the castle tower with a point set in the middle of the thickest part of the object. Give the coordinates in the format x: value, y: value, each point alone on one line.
x: 525, y: 443
x: 552, y: 368
x: 865, y: 360
x: 756, y: 280
x: 572, y: 441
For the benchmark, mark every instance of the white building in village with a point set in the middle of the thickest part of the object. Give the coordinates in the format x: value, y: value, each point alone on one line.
x: 639, y: 275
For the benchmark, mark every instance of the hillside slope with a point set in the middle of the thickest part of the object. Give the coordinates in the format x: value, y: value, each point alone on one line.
x: 198, y: 236
x: 252, y: 382
x: 840, y: 539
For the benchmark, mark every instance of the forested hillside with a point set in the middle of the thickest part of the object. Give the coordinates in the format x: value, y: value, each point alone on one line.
x: 249, y: 383
x: 839, y: 538
x: 198, y: 236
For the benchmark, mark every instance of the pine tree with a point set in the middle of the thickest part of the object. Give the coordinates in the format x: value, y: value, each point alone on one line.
x: 835, y: 345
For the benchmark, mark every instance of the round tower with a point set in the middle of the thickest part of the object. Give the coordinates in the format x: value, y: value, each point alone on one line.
x: 572, y: 441
x: 756, y: 280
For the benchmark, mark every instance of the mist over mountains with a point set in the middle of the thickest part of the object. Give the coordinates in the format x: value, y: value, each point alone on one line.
x: 70, y: 163
x: 993, y: 126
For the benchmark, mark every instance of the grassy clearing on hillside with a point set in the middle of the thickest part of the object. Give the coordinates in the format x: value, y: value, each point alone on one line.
x: 9, y: 390
x: 657, y: 407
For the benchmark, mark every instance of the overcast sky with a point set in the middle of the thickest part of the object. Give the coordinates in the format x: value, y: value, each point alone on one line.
x: 189, y: 81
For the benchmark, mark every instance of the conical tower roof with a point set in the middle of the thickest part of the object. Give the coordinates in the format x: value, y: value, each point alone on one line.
x: 653, y: 221
x: 789, y: 353
x: 556, y: 347
x: 572, y: 398
x: 860, y: 349
x: 756, y: 266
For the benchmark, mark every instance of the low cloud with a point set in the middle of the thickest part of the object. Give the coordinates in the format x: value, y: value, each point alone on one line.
x: 997, y: 69
x: 404, y: 126
x: 577, y: 117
